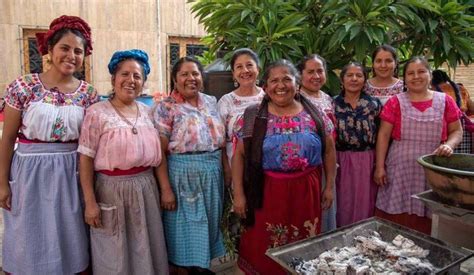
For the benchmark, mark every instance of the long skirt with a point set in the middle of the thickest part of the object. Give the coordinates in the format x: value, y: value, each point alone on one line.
x: 356, y: 189
x: 291, y: 211
x: 328, y: 219
x: 192, y: 231
x: 131, y: 239
x: 45, y: 231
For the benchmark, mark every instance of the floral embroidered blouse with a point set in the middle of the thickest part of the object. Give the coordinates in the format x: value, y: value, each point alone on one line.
x: 357, y: 128
x: 291, y: 143
x: 384, y: 93
x: 188, y: 128
x: 49, y: 115
x: 107, y: 138
x: 231, y: 109
x: 324, y: 103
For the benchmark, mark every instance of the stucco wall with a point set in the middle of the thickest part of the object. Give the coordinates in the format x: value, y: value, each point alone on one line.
x: 115, y: 24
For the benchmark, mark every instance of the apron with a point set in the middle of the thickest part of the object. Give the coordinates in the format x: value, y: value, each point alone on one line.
x: 420, y: 135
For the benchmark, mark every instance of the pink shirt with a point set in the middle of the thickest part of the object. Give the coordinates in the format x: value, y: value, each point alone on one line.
x: 391, y: 113
x: 107, y: 138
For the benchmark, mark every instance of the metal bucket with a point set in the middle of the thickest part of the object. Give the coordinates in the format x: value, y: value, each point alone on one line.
x: 452, y: 177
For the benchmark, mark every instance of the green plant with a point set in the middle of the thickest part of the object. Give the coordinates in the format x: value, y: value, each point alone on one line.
x: 340, y: 31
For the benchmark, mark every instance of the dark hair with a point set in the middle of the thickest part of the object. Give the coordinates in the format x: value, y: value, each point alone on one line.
x: 243, y: 51
x: 344, y: 71
x: 281, y: 63
x: 177, y: 66
x: 387, y: 48
x: 439, y: 77
x: 414, y: 59
x: 302, y: 64
x: 61, y: 33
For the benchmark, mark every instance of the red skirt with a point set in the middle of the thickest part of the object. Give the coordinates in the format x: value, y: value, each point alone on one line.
x: 291, y: 211
x: 420, y: 224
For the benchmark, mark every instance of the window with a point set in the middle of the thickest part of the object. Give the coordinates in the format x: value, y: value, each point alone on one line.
x: 180, y: 47
x: 33, y: 62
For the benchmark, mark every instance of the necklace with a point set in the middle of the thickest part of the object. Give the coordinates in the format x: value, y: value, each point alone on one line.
x: 134, y: 129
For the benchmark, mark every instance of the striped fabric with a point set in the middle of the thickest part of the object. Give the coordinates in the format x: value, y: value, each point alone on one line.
x: 45, y: 231
x: 192, y: 232
x: 420, y: 135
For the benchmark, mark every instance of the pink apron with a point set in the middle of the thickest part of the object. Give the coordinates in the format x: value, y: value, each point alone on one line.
x: 420, y: 135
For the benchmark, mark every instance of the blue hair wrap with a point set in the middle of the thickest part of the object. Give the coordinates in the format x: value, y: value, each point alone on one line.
x: 138, y: 55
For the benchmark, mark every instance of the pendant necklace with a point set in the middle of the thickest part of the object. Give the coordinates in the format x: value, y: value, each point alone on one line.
x: 134, y: 129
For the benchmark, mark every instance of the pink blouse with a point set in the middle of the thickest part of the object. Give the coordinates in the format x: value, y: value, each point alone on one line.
x: 391, y: 113
x: 107, y: 138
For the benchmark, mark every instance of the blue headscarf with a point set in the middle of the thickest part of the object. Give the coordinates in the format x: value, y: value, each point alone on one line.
x: 138, y: 55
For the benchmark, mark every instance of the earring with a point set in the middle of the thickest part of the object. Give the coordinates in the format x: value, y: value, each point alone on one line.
x: 236, y: 84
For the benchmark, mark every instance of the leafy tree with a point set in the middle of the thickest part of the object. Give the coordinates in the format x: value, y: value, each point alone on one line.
x: 340, y: 31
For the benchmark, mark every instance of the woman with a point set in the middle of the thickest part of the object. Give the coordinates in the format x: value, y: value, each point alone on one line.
x: 276, y: 170
x: 356, y: 123
x: 313, y: 76
x: 442, y: 83
x: 119, y: 150
x: 192, y: 138
x: 245, y: 68
x: 384, y: 82
x: 420, y: 121
x: 44, y: 228
x: 244, y: 64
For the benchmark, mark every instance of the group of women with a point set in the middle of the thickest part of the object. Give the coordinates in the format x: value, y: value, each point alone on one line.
x: 152, y: 179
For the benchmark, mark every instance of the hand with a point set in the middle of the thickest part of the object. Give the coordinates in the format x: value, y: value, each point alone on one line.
x: 5, y: 197
x: 168, y: 200
x: 380, y: 177
x: 92, y: 215
x: 327, y: 198
x: 240, y: 205
x: 443, y: 150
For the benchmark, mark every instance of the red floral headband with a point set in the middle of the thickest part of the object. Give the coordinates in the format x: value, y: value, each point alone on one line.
x: 65, y: 22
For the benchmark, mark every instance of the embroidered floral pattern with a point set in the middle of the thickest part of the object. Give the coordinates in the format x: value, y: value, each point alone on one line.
x: 58, y: 130
x: 28, y: 95
x: 283, y: 234
x: 291, y: 159
x: 29, y: 88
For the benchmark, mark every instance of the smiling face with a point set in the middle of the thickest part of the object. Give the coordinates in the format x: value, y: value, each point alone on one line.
x: 353, y: 79
x: 128, y: 81
x: 245, y: 71
x: 67, y: 55
x: 313, y: 76
x: 188, y: 80
x: 384, y: 64
x: 281, y: 86
x: 417, y: 77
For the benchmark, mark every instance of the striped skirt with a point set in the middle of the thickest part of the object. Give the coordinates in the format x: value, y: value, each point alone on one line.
x: 131, y: 239
x: 45, y: 231
x: 192, y: 231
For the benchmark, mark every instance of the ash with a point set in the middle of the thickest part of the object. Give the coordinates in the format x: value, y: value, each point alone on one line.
x: 369, y: 255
